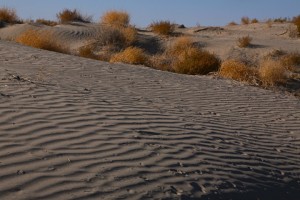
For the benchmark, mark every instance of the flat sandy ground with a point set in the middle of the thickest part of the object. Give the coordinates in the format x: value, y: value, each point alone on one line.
x: 75, y: 128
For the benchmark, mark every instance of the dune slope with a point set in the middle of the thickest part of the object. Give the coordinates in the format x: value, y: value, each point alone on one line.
x: 74, y: 128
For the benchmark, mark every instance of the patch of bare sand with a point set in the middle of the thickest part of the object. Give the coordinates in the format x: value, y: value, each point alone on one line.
x: 74, y: 128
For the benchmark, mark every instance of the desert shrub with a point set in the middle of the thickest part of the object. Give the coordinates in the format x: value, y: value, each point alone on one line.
x: 165, y: 28
x: 116, y: 18
x: 161, y: 62
x: 290, y: 61
x: 8, y: 15
x: 46, y: 22
x: 232, y: 23
x: 66, y: 16
x: 272, y: 73
x: 131, y: 55
x: 281, y: 20
x: 237, y: 70
x: 254, y: 21
x: 296, y: 21
x: 245, y: 20
x: 244, y: 41
x: 87, y: 52
x: 42, y: 40
x: 115, y: 36
x: 195, y: 61
x: 179, y: 45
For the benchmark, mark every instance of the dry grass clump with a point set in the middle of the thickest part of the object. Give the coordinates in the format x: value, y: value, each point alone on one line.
x: 179, y: 44
x: 195, y: 61
x: 272, y: 73
x: 42, y: 40
x: 281, y: 20
x: 238, y: 71
x: 116, y: 18
x: 245, y: 20
x: 131, y: 55
x: 244, y: 42
x: 46, y: 22
x: 296, y: 21
x: 8, y: 15
x: 254, y: 21
x: 87, y: 52
x: 232, y: 23
x: 66, y: 16
x: 291, y: 61
x: 119, y: 37
x: 165, y: 28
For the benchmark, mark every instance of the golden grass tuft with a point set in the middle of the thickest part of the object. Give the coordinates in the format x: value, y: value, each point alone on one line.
x: 116, y: 18
x: 66, y: 16
x: 165, y: 28
x: 179, y: 45
x: 237, y: 70
x: 296, y: 21
x: 244, y: 42
x: 272, y: 73
x: 87, y: 52
x: 195, y: 61
x: 131, y: 55
x: 42, y: 40
x: 46, y: 22
x: 8, y: 15
x: 245, y: 20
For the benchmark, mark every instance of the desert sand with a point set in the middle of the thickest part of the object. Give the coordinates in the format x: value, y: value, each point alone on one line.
x: 76, y: 128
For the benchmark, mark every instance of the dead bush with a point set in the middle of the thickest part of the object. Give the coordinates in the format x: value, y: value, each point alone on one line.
x: 165, y: 28
x: 41, y: 39
x: 245, y: 20
x: 131, y: 55
x: 8, y: 15
x: 237, y: 70
x: 46, y: 22
x: 254, y: 21
x: 296, y: 21
x: 272, y: 73
x: 244, y: 42
x: 291, y: 61
x: 195, y: 61
x: 116, y: 18
x: 120, y: 37
x: 179, y: 45
x: 232, y: 23
x: 67, y: 16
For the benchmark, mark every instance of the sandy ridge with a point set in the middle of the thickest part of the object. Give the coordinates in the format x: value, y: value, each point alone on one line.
x: 73, y: 128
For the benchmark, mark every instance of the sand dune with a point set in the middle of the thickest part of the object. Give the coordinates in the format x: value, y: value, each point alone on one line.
x: 74, y: 128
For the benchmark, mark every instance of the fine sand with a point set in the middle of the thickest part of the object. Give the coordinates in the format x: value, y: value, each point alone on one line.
x: 75, y: 128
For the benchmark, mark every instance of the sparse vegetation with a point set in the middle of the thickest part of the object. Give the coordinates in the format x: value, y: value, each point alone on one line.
x: 42, y: 40
x: 232, y: 23
x: 8, y: 15
x: 87, y: 52
x: 179, y: 45
x: 245, y: 20
x: 67, y: 16
x: 116, y: 18
x: 237, y: 70
x: 46, y: 22
x: 291, y: 61
x: 296, y: 21
x: 244, y: 42
x: 118, y: 37
x: 254, y: 21
x: 165, y: 28
x: 131, y: 55
x: 280, y: 20
x: 272, y: 73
